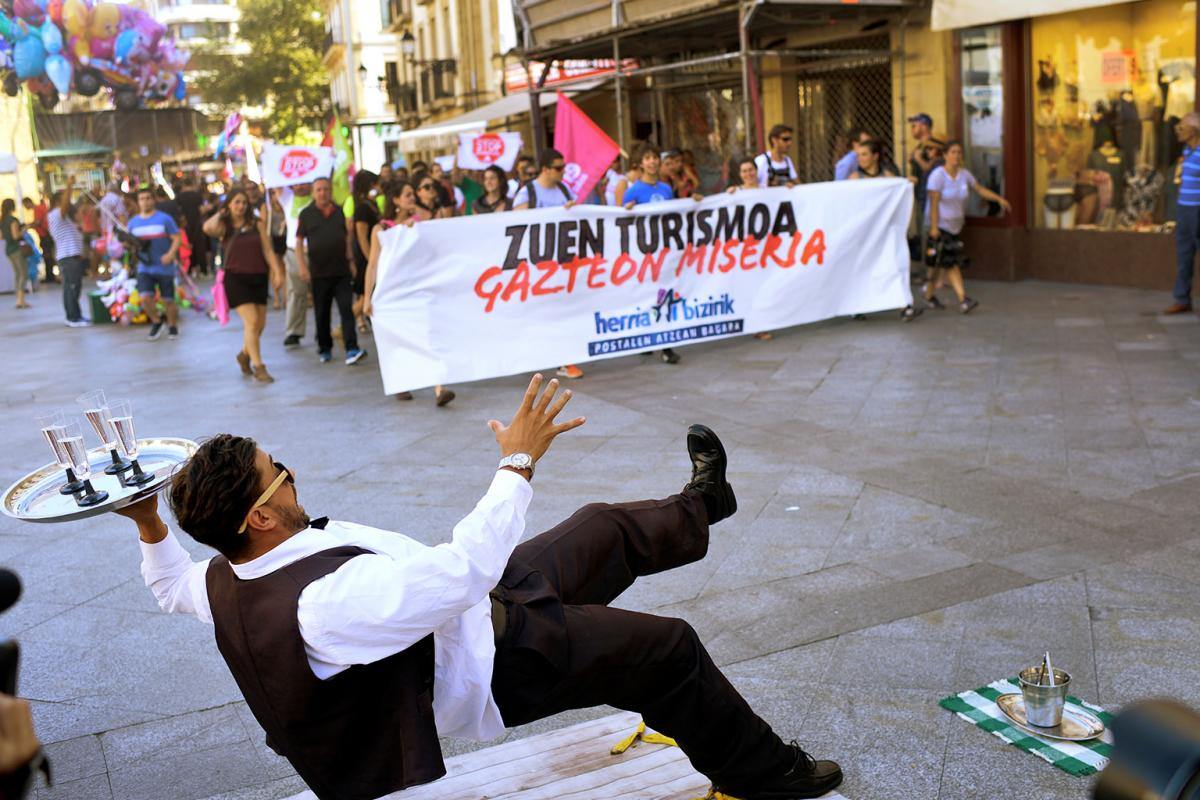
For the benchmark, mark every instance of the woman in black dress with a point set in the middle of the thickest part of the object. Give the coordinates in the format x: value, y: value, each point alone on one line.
x: 366, y: 217
x: 249, y: 261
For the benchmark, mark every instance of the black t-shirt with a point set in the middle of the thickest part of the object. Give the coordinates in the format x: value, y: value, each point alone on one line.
x: 190, y: 201
x: 325, y: 241
x: 170, y: 208
x: 364, y: 212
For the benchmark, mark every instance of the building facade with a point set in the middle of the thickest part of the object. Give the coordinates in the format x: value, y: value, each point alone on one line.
x: 360, y: 53
x: 1066, y: 107
x: 197, y: 24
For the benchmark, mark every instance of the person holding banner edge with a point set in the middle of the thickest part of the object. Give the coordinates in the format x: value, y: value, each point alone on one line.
x: 377, y: 644
x: 400, y: 208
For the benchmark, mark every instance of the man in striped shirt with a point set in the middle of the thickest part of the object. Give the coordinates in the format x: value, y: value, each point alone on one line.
x: 68, y: 248
x: 1187, y: 224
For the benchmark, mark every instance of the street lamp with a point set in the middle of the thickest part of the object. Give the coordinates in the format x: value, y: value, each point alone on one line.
x: 408, y: 45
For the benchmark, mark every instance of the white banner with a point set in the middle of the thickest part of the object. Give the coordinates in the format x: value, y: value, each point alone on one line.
x: 288, y: 165
x: 478, y: 297
x: 482, y: 150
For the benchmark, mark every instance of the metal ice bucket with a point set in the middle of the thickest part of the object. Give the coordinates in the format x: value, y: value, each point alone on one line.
x: 1044, y: 704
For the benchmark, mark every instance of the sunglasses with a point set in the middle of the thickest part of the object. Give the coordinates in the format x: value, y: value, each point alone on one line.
x: 558, y: 167
x: 285, y: 474
x: 425, y: 186
x: 785, y: 138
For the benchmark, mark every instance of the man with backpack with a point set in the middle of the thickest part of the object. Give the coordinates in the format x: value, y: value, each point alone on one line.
x: 546, y: 190
x: 775, y: 167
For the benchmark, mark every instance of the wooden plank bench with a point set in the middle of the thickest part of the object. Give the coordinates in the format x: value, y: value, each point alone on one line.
x: 573, y: 763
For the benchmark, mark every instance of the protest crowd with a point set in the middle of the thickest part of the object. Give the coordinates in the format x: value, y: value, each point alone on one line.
x: 294, y: 248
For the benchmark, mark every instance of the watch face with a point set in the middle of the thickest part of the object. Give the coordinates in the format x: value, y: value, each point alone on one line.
x: 521, y: 460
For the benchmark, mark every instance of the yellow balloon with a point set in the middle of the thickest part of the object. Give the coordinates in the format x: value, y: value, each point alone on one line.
x: 83, y: 51
x: 75, y: 18
x: 106, y: 17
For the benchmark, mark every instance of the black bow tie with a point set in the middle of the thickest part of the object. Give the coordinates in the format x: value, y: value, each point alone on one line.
x: 319, y: 523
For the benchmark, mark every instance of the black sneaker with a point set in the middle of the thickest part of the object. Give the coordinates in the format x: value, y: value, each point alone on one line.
x: 909, y: 313
x: 967, y: 304
x: 291, y: 340
x: 172, y: 332
x: 155, y: 331
x: 933, y: 302
x: 807, y: 778
x: 708, y: 473
x: 669, y: 356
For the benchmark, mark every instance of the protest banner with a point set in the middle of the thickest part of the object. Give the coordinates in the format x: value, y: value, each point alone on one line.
x: 288, y: 165
x: 587, y: 150
x: 480, y: 297
x: 482, y: 150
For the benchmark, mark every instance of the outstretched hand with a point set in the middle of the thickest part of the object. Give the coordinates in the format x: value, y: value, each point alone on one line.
x: 533, y: 427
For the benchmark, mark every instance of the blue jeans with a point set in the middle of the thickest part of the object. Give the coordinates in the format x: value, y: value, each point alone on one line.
x: 71, y: 268
x: 1187, y: 239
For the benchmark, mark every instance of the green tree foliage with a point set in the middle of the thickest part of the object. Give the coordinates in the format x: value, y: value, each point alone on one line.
x: 281, y: 70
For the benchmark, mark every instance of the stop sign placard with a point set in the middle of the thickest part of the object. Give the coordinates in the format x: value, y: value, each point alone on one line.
x: 296, y: 163
x: 488, y: 147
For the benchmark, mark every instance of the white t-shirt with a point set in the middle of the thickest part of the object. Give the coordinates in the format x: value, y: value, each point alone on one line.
x: 765, y: 164
x: 612, y: 178
x: 546, y: 198
x: 953, y: 194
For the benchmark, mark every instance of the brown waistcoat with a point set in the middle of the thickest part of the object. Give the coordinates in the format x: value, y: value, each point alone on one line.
x: 364, y: 733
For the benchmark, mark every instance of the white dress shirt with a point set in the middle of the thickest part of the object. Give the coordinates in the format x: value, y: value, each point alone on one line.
x: 379, y: 604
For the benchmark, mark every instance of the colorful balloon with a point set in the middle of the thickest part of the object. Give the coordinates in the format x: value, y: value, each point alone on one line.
x: 29, y: 57
x: 101, y: 48
x: 54, y: 10
x: 52, y: 38
x: 30, y: 11
x: 76, y: 15
x: 105, y: 22
x: 124, y: 44
x: 58, y: 70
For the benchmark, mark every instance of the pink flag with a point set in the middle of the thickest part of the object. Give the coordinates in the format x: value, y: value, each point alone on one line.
x: 587, y: 150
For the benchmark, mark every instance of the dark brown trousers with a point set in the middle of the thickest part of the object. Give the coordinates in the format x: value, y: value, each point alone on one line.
x: 564, y: 648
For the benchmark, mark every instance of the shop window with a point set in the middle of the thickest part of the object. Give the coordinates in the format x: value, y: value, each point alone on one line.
x: 1109, y: 85
x: 983, y: 114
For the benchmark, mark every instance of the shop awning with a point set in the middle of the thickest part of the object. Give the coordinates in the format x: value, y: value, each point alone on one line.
x: 951, y: 14
x: 477, y: 119
x: 71, y: 149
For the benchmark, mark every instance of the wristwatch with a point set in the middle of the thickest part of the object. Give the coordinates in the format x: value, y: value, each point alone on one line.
x: 518, y: 461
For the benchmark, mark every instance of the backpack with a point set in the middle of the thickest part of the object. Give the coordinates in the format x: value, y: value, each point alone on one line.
x: 532, y: 193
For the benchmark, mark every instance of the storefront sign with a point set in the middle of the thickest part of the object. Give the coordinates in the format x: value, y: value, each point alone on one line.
x: 482, y: 150
x: 288, y: 165
x: 516, y: 79
x: 478, y: 297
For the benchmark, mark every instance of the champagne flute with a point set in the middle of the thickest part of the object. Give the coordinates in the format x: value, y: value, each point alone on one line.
x: 53, y: 427
x: 122, y: 423
x: 72, y: 443
x: 95, y: 408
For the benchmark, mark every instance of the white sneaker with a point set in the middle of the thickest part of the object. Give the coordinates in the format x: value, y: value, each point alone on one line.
x: 77, y: 323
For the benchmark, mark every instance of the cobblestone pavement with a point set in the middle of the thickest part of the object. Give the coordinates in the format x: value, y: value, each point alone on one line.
x: 923, y: 508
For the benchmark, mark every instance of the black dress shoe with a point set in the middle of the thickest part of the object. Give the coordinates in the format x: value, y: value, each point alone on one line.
x: 708, y: 473
x: 807, y: 778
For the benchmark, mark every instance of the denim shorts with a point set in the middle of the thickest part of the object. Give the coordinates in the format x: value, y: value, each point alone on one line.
x: 146, y: 282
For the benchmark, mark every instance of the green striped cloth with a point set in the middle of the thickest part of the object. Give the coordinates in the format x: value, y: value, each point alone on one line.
x: 1077, y: 758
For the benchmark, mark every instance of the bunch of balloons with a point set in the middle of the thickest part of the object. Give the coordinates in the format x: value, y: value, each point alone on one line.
x: 59, y: 46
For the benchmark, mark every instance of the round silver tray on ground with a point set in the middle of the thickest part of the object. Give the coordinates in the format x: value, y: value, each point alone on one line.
x: 35, y: 498
x: 1078, y: 723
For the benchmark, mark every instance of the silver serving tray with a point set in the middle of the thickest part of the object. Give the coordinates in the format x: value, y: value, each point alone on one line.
x: 35, y: 498
x: 1078, y: 724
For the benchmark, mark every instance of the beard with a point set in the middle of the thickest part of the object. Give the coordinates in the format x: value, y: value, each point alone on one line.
x: 294, y: 517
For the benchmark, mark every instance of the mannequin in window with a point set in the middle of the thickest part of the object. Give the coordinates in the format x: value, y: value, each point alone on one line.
x: 1108, y: 158
x: 1149, y: 109
x: 1129, y: 128
x: 1103, y: 121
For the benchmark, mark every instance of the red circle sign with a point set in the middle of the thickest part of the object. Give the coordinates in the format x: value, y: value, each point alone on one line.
x: 488, y: 147
x: 296, y: 163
